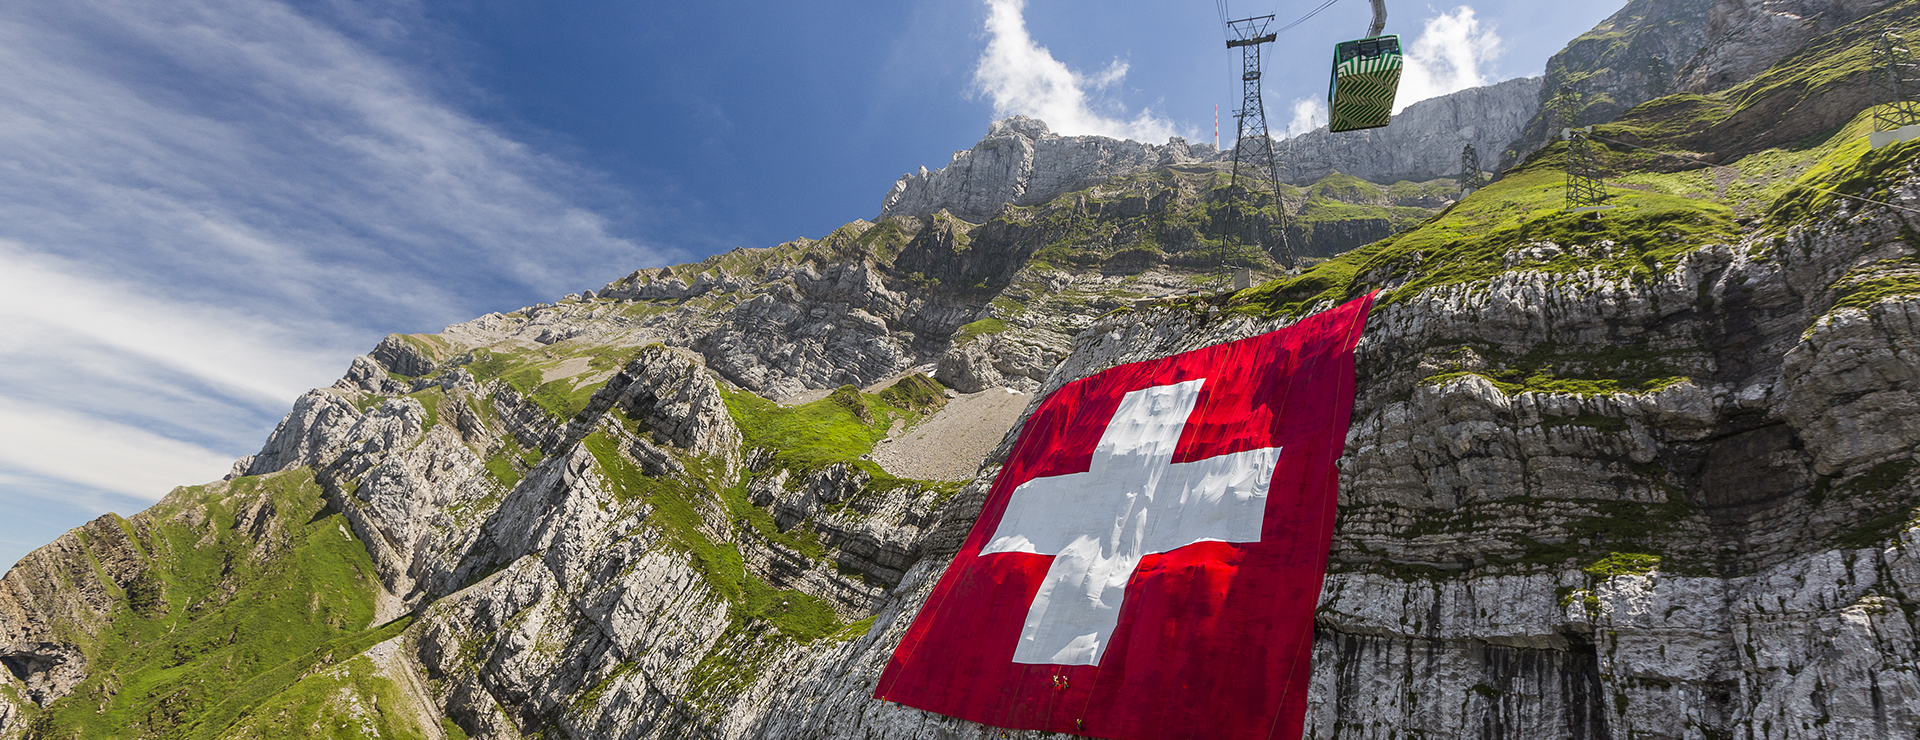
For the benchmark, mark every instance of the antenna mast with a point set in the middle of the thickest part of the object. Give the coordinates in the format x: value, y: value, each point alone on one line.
x: 1252, y: 139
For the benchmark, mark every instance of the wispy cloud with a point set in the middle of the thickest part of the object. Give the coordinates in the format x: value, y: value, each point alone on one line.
x: 1452, y: 53
x: 115, y: 457
x: 1023, y: 78
x: 211, y: 205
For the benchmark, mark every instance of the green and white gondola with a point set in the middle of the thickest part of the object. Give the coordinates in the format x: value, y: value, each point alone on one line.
x: 1366, y: 74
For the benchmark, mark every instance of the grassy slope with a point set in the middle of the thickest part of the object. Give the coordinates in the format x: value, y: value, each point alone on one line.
x: 524, y: 370
x: 1677, y: 212
x: 347, y: 702
x: 222, y: 632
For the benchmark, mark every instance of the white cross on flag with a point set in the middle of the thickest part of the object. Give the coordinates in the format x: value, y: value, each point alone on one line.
x: 1148, y: 560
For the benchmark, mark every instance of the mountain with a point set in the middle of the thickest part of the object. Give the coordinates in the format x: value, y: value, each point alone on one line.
x: 1425, y: 140
x: 1647, y: 472
x: 1653, y: 48
x: 1022, y: 163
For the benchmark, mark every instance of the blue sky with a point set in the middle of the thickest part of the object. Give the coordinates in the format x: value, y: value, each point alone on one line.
x: 209, y: 206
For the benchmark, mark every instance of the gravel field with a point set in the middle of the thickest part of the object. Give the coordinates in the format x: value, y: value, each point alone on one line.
x: 950, y: 444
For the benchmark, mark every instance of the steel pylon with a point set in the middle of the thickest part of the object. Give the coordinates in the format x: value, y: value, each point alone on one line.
x: 1251, y: 141
x: 1899, y: 83
x: 1585, y: 190
x: 1471, y: 178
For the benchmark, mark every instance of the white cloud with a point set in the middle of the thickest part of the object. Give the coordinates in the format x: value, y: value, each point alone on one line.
x: 100, y: 454
x: 209, y: 206
x: 1023, y: 78
x: 1308, y: 114
x: 225, y: 347
x: 1451, y: 54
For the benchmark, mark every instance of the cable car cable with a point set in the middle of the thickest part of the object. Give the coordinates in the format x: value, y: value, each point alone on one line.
x: 1310, y: 14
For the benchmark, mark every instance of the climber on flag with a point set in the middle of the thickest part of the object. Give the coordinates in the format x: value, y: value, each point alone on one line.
x: 1148, y: 561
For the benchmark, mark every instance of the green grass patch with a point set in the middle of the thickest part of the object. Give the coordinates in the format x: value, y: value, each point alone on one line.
x: 854, y: 631
x: 1610, y: 526
x: 219, y: 633
x: 500, y: 468
x: 431, y: 400
x: 969, y: 332
x: 915, y: 393
x: 524, y: 371
x: 1550, y: 368
x: 1623, y: 564
x: 1881, y: 477
x: 562, y: 398
x: 1320, y: 211
x: 510, y: 464
x: 1437, y: 189
x: 839, y: 428
x: 1169, y: 217
x: 733, y: 664
x: 590, y: 698
x: 1591, y: 421
x: 1878, y: 530
x: 1866, y: 293
x: 433, y: 346
x: 367, y: 402
x: 348, y: 702
x: 1864, y: 491
x: 1343, y: 187
x: 1851, y: 169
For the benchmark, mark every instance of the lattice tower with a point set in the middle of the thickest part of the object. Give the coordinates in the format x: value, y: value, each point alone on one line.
x: 1251, y: 142
x: 1899, y: 81
x: 1585, y: 190
x: 1471, y: 178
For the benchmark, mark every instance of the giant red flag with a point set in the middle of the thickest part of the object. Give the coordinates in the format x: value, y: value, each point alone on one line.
x: 1148, y: 561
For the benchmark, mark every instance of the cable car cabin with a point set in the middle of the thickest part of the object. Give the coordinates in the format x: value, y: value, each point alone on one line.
x: 1366, y: 74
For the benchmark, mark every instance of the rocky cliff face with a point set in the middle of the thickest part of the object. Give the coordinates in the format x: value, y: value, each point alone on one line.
x: 1653, y: 48
x: 1021, y: 163
x: 1643, y: 473
x: 1424, y: 141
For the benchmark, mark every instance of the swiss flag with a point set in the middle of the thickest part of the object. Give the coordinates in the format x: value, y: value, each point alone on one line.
x: 1148, y: 560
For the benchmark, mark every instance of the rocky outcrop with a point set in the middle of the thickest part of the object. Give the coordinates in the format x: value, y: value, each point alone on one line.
x: 70, y: 585
x: 404, y: 355
x: 1633, y: 56
x: 671, y: 397
x: 1020, y: 162
x: 1745, y: 37
x: 1020, y: 359
x: 1855, y: 383
x: 318, y: 418
x: 829, y: 325
x: 1424, y: 141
